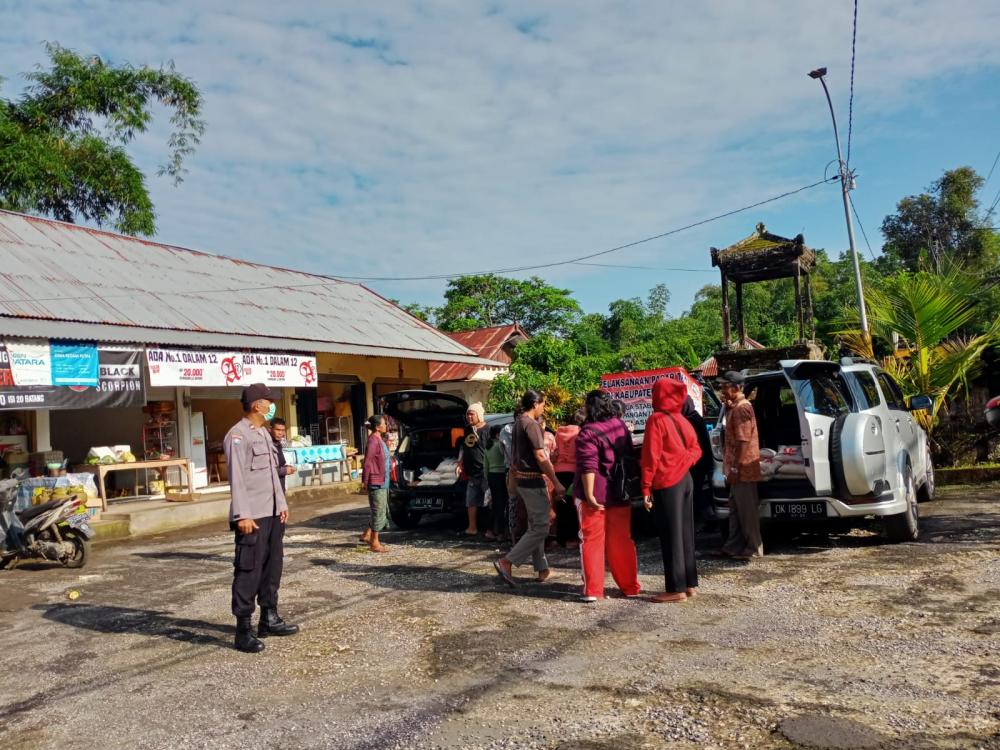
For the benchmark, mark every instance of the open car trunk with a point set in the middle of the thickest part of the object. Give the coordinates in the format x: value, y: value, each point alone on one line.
x: 797, y: 411
x: 431, y: 428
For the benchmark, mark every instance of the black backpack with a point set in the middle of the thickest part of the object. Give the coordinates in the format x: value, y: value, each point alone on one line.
x: 618, y: 475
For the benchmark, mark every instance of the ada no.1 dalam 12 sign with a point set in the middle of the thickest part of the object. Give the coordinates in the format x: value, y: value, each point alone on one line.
x: 635, y: 390
x: 178, y: 367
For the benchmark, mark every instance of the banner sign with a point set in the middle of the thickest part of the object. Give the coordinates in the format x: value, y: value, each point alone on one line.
x: 30, y: 362
x: 119, y: 384
x: 180, y: 367
x: 635, y: 390
x: 74, y: 364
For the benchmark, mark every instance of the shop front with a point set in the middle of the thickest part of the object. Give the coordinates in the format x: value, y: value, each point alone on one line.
x: 61, y: 400
x: 208, y: 384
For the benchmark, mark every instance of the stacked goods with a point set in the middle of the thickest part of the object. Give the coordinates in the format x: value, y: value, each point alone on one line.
x: 785, y: 463
x: 39, y: 462
x: 445, y: 474
x: 43, y: 495
x: 103, y: 454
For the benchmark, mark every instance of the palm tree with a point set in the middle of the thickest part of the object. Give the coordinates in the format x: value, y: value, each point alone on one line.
x: 923, y: 317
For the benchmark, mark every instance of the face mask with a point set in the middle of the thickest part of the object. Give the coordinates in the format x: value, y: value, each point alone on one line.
x: 271, y: 412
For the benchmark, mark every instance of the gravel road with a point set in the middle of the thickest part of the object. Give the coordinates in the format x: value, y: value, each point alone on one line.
x: 829, y: 641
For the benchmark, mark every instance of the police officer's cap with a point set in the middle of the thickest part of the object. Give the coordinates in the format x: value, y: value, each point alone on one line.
x: 256, y: 392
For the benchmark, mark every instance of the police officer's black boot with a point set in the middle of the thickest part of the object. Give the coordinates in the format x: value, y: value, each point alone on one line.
x: 245, y: 640
x: 271, y: 624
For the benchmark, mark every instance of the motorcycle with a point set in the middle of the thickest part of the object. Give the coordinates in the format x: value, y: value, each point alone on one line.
x: 51, y: 531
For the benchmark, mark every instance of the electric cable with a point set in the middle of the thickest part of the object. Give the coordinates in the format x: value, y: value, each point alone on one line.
x: 992, y: 168
x: 330, y: 280
x: 850, y: 105
x: 644, y: 268
x: 861, y: 226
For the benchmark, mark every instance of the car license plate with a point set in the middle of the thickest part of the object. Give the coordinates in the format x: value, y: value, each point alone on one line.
x: 429, y: 503
x: 798, y: 511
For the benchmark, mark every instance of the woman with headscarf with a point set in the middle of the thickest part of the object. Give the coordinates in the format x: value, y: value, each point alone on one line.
x: 669, y: 450
x: 604, y: 510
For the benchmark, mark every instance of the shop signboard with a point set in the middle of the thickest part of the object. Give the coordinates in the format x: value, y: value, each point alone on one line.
x: 192, y: 367
x: 635, y: 390
x: 119, y: 384
x: 30, y: 362
x: 75, y: 364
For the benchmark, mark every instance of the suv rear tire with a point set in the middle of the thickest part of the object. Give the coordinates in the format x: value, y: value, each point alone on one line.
x: 405, y: 519
x: 928, y: 490
x: 905, y: 526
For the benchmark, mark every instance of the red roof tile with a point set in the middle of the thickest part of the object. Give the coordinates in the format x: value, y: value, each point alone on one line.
x: 488, y: 343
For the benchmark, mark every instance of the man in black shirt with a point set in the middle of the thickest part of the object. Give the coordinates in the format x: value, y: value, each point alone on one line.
x: 279, y: 432
x: 471, y: 462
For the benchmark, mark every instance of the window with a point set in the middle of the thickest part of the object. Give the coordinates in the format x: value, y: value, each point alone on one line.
x: 868, y: 389
x: 821, y: 395
x: 894, y: 398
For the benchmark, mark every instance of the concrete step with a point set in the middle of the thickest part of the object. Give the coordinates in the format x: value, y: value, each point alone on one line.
x: 108, y: 529
x: 159, y: 516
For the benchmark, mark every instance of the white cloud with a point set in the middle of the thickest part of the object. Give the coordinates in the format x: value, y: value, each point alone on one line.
x: 409, y: 138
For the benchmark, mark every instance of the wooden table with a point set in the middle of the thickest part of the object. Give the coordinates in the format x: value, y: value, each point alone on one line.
x: 104, y: 469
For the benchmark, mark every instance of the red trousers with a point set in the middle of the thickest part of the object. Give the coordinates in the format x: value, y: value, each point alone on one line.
x: 606, y: 535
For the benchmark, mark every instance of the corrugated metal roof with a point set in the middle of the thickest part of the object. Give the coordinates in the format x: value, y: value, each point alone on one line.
x: 486, y: 342
x: 50, y: 329
x: 57, y: 272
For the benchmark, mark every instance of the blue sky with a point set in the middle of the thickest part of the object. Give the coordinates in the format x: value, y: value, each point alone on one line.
x: 411, y: 138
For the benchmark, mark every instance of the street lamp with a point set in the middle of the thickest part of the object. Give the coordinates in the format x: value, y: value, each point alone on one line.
x: 846, y: 184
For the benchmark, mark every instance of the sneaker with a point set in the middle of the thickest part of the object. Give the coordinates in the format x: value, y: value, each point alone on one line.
x: 588, y: 599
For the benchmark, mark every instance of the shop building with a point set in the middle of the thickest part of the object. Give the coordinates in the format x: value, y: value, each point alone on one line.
x: 168, y: 336
x: 473, y: 381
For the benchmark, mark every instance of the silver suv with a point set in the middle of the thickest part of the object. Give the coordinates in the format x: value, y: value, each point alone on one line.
x: 838, y: 441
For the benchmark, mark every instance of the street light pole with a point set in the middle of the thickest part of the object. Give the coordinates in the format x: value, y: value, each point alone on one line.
x: 846, y: 184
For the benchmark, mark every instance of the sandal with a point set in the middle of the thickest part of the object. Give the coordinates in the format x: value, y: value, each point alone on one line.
x: 504, y: 574
x: 666, y: 598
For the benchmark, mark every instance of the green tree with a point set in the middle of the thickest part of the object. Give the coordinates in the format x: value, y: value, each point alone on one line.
x: 480, y: 301
x: 62, y: 142
x: 940, y: 225
x: 423, y: 312
x: 920, y: 317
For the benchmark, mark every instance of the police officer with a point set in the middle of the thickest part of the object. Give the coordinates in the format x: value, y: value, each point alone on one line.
x: 257, y: 514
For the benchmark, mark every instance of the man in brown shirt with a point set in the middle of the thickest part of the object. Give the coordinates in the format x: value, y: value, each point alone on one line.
x: 741, y: 465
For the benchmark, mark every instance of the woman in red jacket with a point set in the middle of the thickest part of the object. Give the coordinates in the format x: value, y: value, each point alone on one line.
x: 669, y: 449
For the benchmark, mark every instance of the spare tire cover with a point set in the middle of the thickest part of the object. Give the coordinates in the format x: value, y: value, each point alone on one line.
x: 862, y: 449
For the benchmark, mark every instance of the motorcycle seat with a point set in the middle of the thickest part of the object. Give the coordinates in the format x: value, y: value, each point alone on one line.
x: 36, y: 510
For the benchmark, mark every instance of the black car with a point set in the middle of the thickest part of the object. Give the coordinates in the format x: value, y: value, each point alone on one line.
x: 431, y: 428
